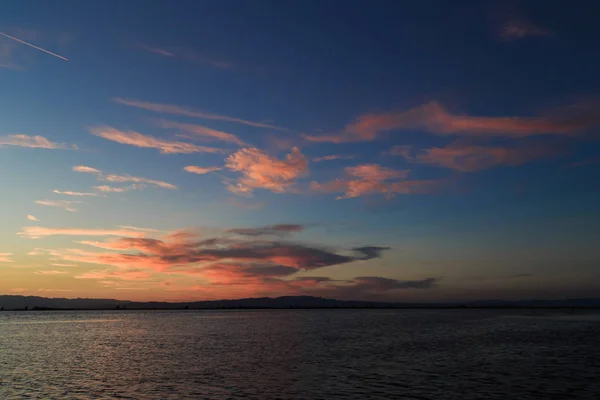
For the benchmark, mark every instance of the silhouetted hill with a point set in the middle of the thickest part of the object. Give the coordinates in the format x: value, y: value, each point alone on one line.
x: 43, y: 303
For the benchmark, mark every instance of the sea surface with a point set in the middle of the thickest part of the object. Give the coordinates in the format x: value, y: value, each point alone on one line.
x: 300, y: 354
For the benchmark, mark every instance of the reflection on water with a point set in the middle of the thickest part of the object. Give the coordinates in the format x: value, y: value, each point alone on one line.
x: 295, y: 354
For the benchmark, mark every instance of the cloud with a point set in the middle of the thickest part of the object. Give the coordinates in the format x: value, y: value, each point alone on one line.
x: 189, y: 112
x: 50, y: 272
x: 35, y: 142
x: 89, y: 170
x: 520, y: 28
x: 186, y: 55
x: 79, y: 194
x: 434, y: 118
x: 202, y: 131
x: 241, y: 262
x: 400, y: 150
x: 471, y: 158
x: 332, y: 157
x: 261, y: 171
x: 379, y: 284
x: 190, y: 256
x: 66, y: 204
x: 129, y: 274
x: 112, y: 189
x: 376, y: 173
x: 32, y: 218
x: 135, y: 228
x: 155, y: 50
x: 5, y: 257
x: 201, y: 170
x: 274, y: 230
x: 136, y: 139
x: 372, y: 178
x: 34, y: 232
x: 121, y: 179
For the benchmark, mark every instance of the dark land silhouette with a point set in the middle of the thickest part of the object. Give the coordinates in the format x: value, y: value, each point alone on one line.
x: 35, y: 303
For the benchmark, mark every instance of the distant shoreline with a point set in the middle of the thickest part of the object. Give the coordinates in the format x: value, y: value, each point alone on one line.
x: 42, y: 309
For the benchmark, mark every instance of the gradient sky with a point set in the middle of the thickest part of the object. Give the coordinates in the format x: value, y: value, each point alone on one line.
x: 419, y: 150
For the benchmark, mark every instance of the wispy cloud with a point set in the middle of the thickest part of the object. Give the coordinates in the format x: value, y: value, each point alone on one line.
x: 77, y: 194
x: 32, y: 218
x: 50, y: 272
x: 187, y: 55
x: 89, y: 170
x: 135, y: 228
x: 434, y: 118
x: 201, y: 131
x: 35, y: 232
x: 34, y: 142
x: 121, y: 179
x: 269, y: 230
x: 122, y: 189
x: 371, y: 178
x: 65, y: 204
x: 400, y: 150
x: 201, y: 170
x: 189, y: 112
x: 516, y: 28
x: 262, y: 171
x: 470, y: 158
x: 333, y: 157
x: 156, y: 50
x: 6, y: 257
x: 136, y: 139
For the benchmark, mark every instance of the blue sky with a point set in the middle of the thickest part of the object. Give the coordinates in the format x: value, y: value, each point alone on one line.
x: 399, y: 151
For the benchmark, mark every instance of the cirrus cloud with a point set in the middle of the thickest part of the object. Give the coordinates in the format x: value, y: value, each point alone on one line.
x: 434, y: 118
x: 136, y: 139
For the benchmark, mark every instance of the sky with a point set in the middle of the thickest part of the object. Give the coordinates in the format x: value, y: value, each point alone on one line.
x: 399, y: 151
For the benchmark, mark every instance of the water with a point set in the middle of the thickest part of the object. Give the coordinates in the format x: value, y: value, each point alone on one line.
x: 294, y: 354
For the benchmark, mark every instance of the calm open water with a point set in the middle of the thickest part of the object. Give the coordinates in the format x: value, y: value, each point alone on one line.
x: 295, y: 354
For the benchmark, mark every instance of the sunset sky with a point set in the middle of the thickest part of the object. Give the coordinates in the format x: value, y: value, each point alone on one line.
x: 386, y: 150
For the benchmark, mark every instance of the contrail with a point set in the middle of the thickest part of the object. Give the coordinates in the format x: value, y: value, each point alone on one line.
x: 34, y: 46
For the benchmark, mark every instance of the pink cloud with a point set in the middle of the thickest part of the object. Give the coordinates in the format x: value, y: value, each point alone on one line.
x: 470, y: 158
x: 36, y: 142
x: 376, y: 173
x: 201, y: 170
x: 129, y: 274
x: 136, y: 139
x: 112, y: 189
x: 78, y: 194
x: 65, y: 204
x: 135, y: 228
x: 5, y: 257
x: 50, y: 272
x: 434, y: 118
x: 85, y: 169
x: 373, y: 179
x: 189, y: 112
x: 32, y: 218
x: 262, y: 171
x: 202, y: 131
x: 332, y: 157
x: 37, y: 232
